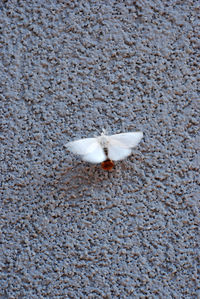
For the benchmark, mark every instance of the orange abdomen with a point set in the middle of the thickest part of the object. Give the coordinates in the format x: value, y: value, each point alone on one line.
x: 107, y: 165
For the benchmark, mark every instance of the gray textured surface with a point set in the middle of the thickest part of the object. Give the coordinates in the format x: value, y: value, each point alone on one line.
x: 69, y: 229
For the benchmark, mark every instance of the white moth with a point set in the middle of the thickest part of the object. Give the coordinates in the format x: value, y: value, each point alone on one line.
x: 105, y: 149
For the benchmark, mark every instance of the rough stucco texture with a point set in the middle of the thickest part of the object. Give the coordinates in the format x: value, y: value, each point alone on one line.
x: 68, y: 228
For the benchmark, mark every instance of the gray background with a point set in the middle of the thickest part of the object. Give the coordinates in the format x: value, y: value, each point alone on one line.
x: 68, y: 228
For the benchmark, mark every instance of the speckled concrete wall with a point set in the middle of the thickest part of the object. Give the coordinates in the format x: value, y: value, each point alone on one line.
x: 68, y: 228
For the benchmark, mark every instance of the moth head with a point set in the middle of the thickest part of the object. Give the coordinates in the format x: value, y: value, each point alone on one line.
x: 104, y: 132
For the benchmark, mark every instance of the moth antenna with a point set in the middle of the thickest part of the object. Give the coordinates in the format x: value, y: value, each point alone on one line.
x: 104, y: 131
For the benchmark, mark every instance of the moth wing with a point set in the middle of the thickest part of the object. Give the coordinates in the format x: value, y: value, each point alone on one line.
x: 129, y: 140
x: 82, y: 146
x: 120, y: 145
x: 117, y: 152
x: 95, y: 156
x: 89, y: 148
